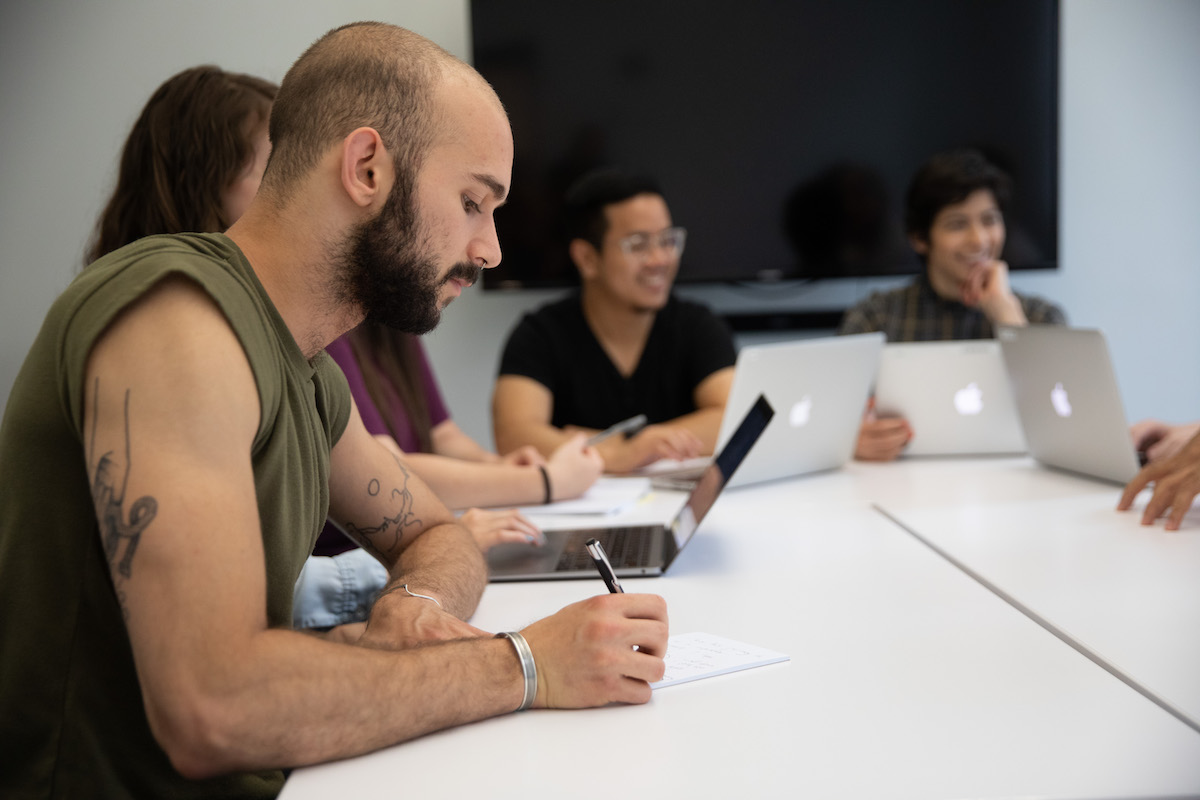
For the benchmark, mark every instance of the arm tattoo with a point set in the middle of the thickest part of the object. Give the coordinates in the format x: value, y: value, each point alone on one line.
x: 109, y: 500
x: 391, y: 529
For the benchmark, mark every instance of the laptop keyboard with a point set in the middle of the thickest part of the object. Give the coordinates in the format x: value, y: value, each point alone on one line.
x: 626, y: 547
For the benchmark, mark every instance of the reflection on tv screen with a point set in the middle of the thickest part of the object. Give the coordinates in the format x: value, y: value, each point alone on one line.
x: 783, y: 133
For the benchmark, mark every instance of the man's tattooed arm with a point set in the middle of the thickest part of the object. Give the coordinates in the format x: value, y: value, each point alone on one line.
x: 384, y: 538
x: 396, y: 518
x: 120, y: 532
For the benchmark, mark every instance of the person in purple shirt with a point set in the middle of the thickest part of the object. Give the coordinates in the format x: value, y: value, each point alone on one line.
x: 398, y: 399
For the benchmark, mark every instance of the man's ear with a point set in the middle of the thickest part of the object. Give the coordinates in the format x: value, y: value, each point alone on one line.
x: 586, y: 258
x: 366, y: 171
x: 919, y: 244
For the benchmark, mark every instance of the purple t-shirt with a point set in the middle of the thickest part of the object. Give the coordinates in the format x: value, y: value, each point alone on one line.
x: 332, y: 541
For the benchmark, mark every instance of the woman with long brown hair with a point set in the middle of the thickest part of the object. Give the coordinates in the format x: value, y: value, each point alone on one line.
x: 192, y: 161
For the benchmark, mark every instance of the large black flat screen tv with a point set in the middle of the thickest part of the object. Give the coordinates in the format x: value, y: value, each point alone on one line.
x: 783, y: 132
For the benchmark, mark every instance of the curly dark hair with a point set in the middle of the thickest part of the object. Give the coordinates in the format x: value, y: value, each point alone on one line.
x: 949, y: 178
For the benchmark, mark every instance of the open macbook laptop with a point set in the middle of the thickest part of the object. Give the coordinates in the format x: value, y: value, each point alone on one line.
x: 820, y: 387
x: 1068, y: 400
x: 634, y: 550
x: 955, y: 395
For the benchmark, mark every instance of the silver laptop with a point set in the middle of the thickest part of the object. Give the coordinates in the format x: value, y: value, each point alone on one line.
x: 634, y: 550
x: 820, y: 388
x: 1068, y: 400
x: 955, y: 395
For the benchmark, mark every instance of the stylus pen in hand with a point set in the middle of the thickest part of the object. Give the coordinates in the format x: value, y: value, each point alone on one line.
x: 624, y: 426
x: 596, y: 551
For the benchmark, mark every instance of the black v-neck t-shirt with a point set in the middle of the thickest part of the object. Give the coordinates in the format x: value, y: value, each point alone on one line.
x: 555, y: 347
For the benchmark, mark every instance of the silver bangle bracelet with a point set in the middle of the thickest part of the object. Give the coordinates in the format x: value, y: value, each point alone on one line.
x: 528, y: 667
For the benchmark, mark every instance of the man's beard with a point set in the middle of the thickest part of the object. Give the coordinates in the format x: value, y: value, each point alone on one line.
x: 387, y: 270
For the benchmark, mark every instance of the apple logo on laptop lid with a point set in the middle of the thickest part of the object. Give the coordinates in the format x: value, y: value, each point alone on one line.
x: 968, y: 401
x: 801, y: 412
x: 1060, y: 401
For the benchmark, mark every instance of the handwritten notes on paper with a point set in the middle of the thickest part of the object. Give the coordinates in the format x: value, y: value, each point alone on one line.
x: 692, y: 656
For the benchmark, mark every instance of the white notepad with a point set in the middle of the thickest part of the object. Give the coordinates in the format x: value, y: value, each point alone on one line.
x: 692, y: 656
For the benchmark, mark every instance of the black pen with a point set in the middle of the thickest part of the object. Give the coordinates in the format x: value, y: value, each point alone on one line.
x: 596, y: 551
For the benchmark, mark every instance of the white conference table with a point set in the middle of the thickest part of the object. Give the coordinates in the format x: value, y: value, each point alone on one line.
x: 1127, y: 594
x: 908, y: 678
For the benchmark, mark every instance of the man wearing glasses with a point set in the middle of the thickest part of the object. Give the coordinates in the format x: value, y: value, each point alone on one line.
x: 621, y: 345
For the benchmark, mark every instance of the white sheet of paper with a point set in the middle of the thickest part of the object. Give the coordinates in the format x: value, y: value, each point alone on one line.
x: 608, y: 495
x: 692, y: 656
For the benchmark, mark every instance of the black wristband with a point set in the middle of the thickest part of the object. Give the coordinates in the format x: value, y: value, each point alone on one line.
x: 546, y: 481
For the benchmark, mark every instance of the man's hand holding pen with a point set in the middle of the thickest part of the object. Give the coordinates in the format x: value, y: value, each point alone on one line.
x: 586, y: 653
x: 606, y: 649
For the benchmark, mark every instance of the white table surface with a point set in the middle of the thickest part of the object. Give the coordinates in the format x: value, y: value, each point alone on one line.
x: 907, y: 679
x: 1128, y: 593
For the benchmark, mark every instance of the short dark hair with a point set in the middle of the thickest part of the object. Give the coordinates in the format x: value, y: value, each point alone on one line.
x: 949, y: 178
x: 191, y: 141
x: 583, y: 212
x: 365, y: 74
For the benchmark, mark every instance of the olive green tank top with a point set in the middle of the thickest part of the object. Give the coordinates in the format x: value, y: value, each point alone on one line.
x: 73, y: 723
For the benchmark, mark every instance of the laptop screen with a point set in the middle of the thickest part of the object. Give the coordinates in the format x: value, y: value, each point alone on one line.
x: 716, y: 474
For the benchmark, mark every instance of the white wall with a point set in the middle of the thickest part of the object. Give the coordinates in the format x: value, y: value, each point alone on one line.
x: 75, y: 76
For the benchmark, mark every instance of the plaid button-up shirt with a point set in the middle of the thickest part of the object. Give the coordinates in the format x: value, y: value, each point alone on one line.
x: 915, y: 313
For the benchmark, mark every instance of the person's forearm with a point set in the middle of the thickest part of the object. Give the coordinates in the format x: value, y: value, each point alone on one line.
x: 444, y: 562
x: 450, y: 441
x: 1006, y: 311
x: 705, y: 423
x: 544, y: 436
x: 346, y: 634
x: 463, y: 484
x: 288, y: 699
